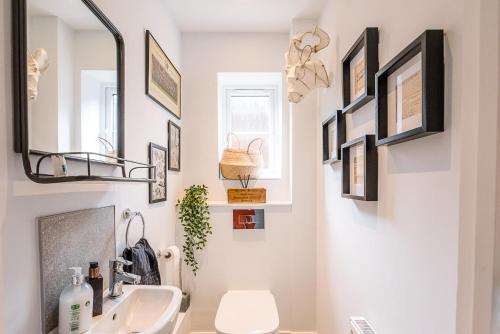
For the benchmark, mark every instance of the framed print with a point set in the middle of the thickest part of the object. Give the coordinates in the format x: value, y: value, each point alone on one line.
x: 409, y: 96
x: 334, y: 135
x: 410, y: 91
x: 248, y: 219
x: 158, y: 158
x: 357, y: 75
x: 360, y: 169
x: 357, y: 170
x: 359, y: 66
x: 174, y: 146
x: 163, y: 80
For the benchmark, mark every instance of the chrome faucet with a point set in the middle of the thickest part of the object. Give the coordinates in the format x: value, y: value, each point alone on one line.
x: 117, y: 276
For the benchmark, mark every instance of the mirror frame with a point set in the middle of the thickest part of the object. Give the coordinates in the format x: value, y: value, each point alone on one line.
x: 20, y: 97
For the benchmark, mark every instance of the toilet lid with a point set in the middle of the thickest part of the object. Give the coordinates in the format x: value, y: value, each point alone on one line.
x: 247, y: 312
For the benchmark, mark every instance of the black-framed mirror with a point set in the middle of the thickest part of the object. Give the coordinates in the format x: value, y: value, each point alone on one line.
x: 68, y: 79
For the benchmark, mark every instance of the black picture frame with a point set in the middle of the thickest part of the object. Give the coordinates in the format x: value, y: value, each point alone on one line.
x: 160, y: 172
x: 149, y: 38
x: 431, y: 45
x: 370, y: 169
x: 369, y: 41
x: 341, y: 136
x: 20, y: 100
x: 171, y: 146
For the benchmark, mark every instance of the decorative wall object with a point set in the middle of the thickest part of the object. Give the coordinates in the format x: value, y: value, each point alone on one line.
x: 248, y: 219
x: 410, y: 91
x: 304, y: 72
x: 158, y: 158
x: 38, y: 63
x: 358, y: 71
x: 174, y: 146
x: 163, y: 80
x: 360, y: 169
x: 334, y: 135
x: 72, y: 239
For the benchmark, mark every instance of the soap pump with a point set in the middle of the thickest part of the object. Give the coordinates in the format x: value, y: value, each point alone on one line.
x: 96, y: 282
x: 75, y: 305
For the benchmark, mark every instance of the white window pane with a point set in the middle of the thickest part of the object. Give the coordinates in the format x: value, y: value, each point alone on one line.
x: 250, y: 113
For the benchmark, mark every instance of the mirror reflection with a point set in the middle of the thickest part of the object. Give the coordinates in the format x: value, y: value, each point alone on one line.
x: 72, y: 79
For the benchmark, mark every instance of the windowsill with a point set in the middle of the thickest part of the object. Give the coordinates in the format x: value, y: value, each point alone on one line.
x: 225, y: 204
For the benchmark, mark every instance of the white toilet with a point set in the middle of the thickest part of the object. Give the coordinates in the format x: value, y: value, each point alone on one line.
x: 247, y: 312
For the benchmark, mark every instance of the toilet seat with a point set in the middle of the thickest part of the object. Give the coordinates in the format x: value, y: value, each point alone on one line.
x: 247, y: 312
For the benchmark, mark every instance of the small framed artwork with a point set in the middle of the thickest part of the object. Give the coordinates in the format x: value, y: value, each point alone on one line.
x: 158, y: 158
x: 359, y: 66
x: 410, y: 91
x: 174, y: 146
x: 360, y: 169
x: 163, y: 80
x: 248, y: 219
x: 334, y: 135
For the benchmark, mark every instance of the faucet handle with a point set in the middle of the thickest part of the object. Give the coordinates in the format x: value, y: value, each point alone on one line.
x: 118, y: 263
x: 123, y: 261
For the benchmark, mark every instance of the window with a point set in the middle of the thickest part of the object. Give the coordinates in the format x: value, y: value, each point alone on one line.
x: 250, y: 107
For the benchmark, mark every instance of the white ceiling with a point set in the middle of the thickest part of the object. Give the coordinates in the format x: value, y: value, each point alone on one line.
x: 73, y: 12
x: 241, y: 15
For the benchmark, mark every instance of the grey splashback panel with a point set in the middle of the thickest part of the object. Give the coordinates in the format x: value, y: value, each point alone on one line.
x: 72, y: 239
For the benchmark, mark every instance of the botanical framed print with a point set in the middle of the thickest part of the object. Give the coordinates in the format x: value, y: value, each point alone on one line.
x: 174, y: 146
x: 158, y: 158
x: 410, y: 91
x: 359, y: 66
x: 334, y: 135
x: 163, y: 80
x: 360, y: 169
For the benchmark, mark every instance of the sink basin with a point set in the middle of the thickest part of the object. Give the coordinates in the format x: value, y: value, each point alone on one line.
x: 141, y: 309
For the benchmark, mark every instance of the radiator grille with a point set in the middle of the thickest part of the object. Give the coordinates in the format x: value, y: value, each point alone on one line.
x: 361, y: 326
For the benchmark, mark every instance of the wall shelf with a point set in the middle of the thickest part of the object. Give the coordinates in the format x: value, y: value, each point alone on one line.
x: 225, y: 204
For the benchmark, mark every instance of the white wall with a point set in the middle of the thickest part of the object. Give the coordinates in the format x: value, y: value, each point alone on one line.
x: 418, y: 260
x: 281, y: 257
x: 44, y: 110
x: 66, y: 88
x: 21, y: 201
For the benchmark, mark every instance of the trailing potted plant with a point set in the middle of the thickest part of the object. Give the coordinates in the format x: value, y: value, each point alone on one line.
x: 195, y: 220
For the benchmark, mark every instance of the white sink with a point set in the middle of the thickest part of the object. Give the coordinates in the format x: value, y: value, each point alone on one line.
x: 141, y: 309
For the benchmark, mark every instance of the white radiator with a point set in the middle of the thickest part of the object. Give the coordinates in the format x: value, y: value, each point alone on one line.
x: 361, y: 326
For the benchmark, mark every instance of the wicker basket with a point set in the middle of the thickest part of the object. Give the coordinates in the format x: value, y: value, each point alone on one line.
x: 256, y: 155
x: 238, y: 164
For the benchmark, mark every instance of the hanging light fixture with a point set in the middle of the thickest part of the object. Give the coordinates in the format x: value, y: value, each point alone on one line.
x: 304, y: 72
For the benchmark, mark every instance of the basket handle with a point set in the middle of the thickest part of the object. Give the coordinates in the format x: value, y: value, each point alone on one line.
x: 229, y: 137
x: 253, y: 141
